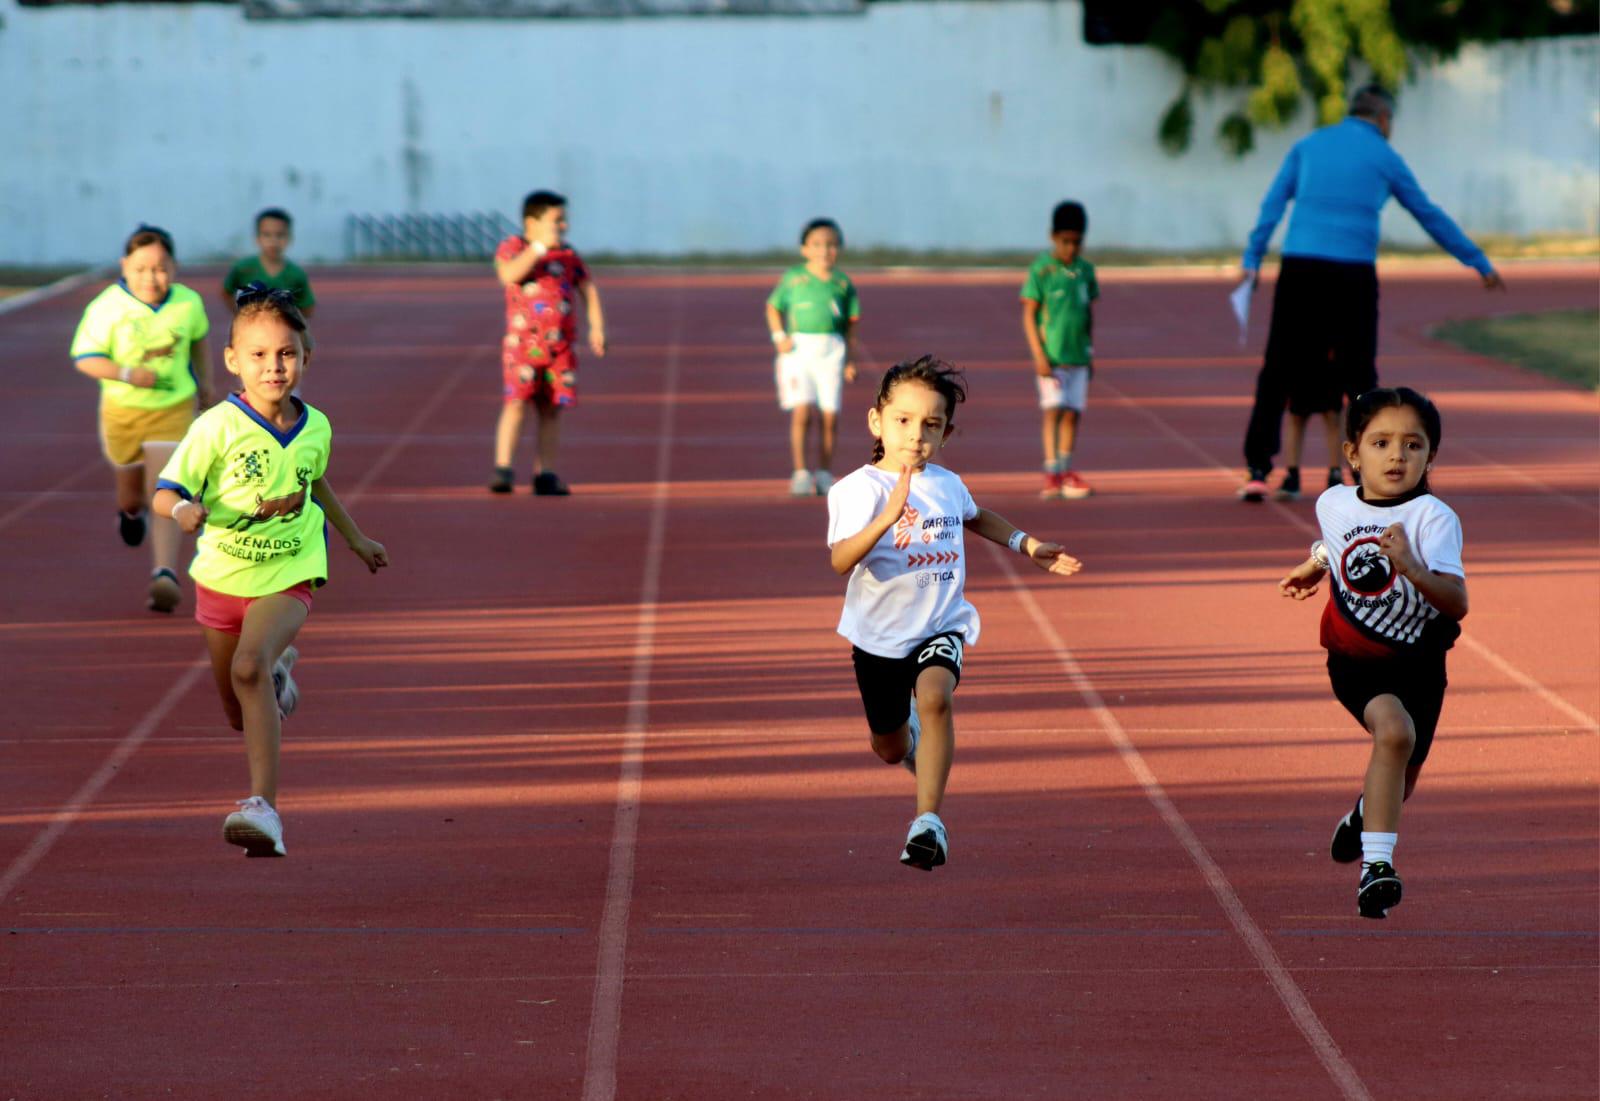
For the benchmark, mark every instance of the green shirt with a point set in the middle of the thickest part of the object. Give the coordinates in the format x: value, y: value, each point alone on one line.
x: 1064, y: 292
x: 812, y: 305
x: 292, y: 279
x: 264, y: 532
x: 131, y: 333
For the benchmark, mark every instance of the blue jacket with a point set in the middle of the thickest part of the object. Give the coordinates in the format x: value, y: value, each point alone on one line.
x: 1339, y: 178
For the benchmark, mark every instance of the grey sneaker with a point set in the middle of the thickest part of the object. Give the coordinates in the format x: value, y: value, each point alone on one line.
x: 283, y: 684
x: 823, y: 481
x: 802, y: 484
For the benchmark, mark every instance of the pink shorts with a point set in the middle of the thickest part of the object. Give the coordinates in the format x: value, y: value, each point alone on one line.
x: 222, y: 612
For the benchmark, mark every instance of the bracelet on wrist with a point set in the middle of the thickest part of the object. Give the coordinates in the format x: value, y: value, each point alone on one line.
x: 1319, y: 555
x: 125, y: 374
x: 1018, y: 541
x: 778, y: 337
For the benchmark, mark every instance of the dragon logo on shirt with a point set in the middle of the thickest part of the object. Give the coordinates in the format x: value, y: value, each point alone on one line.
x: 904, y: 526
x: 287, y: 507
x: 1366, y: 569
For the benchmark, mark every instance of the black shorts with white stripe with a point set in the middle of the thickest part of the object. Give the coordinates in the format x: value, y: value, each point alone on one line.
x: 887, y: 683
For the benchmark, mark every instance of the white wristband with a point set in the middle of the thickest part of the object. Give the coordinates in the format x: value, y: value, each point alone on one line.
x: 1018, y: 540
x: 179, y: 505
x: 778, y: 336
x: 1319, y: 554
x: 124, y: 374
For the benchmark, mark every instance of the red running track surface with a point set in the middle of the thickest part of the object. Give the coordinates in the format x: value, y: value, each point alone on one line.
x: 579, y: 802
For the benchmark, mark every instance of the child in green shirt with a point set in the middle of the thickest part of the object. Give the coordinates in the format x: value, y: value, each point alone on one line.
x: 272, y: 269
x: 1058, y: 321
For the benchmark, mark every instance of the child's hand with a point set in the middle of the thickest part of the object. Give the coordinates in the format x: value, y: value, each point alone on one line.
x: 371, y: 552
x: 1302, y: 581
x: 1053, y: 558
x: 849, y: 372
x: 900, y: 494
x: 142, y: 377
x: 597, y: 340
x: 784, y: 346
x: 1397, y: 549
x: 1041, y: 366
x: 190, y: 516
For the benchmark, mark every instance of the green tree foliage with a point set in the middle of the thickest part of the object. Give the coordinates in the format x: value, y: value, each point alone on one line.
x: 1272, y: 56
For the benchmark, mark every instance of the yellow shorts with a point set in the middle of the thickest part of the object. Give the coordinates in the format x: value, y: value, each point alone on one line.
x: 125, y: 431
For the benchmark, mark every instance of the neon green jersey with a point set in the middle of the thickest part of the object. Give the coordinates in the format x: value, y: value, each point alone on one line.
x: 131, y: 333
x: 812, y: 305
x: 292, y: 279
x: 264, y: 532
x: 1064, y: 292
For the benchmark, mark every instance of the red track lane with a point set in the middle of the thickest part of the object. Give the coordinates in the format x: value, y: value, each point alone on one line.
x: 460, y: 873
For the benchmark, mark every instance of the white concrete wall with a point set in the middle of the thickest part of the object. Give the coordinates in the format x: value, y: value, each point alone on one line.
x: 921, y: 125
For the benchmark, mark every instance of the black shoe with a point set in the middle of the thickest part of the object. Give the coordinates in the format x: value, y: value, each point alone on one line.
x: 1335, y: 476
x: 164, y: 592
x: 504, y: 478
x: 1346, y: 847
x: 131, y: 527
x: 1380, y: 890
x: 548, y: 485
x: 1289, y: 488
x: 1255, y: 489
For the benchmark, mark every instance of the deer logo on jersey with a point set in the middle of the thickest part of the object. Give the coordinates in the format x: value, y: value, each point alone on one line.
x: 904, y: 526
x: 287, y: 507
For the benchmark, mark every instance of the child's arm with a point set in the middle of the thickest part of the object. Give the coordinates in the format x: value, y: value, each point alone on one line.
x: 368, y: 550
x: 597, y: 317
x: 1444, y: 591
x: 1051, y: 557
x: 1301, y: 582
x: 105, y: 367
x: 190, y: 515
x: 850, y: 324
x: 1030, y: 329
x: 848, y: 551
x: 200, y: 365
x: 781, y: 340
x: 517, y: 268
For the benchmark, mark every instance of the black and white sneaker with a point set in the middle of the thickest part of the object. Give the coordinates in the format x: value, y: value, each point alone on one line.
x: 131, y: 525
x: 1346, y: 847
x: 926, y: 844
x: 914, y: 736
x: 504, y: 478
x: 1380, y: 889
x: 1289, y: 488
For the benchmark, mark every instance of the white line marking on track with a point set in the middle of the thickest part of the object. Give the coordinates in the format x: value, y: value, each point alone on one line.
x: 605, y: 1016
x: 147, y: 724
x: 1511, y: 672
x: 1294, y: 1000
x: 50, y: 290
x: 58, y: 490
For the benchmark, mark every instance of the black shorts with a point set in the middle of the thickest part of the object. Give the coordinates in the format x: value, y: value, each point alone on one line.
x: 887, y: 683
x: 1418, y: 681
x: 1323, y: 341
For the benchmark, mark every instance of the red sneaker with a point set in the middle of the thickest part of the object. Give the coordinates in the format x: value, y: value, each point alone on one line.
x: 1074, y: 487
x: 1052, y: 487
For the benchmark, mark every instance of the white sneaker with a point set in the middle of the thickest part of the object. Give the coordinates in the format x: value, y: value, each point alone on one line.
x: 801, y: 484
x: 914, y: 729
x: 823, y: 480
x: 926, y: 844
x: 256, y: 827
x: 283, y: 684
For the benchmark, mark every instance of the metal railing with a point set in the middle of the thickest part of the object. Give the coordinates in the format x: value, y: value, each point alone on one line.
x: 425, y: 236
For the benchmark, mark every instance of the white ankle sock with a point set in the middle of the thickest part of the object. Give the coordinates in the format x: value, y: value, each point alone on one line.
x: 1378, y: 846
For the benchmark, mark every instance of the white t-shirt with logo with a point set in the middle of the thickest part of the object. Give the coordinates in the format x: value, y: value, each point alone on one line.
x: 1375, y: 605
x: 912, y: 583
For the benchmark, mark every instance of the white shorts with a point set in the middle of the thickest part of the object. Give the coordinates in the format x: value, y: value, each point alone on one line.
x: 813, y: 373
x: 1066, y: 388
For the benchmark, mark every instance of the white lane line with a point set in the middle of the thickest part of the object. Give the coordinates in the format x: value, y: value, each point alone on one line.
x: 58, y: 490
x: 125, y: 749
x: 1584, y: 720
x: 50, y: 290
x: 605, y: 1016
x: 1294, y: 1000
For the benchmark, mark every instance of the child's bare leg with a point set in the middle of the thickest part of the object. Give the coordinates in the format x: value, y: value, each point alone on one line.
x: 1068, y: 438
x: 799, y: 424
x: 549, y: 436
x: 131, y: 495
x: 936, y: 688
x: 1294, y: 439
x: 164, y: 533
x: 269, y: 626
x: 221, y: 646
x: 1050, y: 435
x: 1393, y: 738
x: 1331, y: 434
x: 506, y: 432
x: 830, y: 425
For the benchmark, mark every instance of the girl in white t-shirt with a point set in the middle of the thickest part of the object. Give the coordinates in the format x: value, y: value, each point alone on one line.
x: 895, y: 526
x: 1399, y: 592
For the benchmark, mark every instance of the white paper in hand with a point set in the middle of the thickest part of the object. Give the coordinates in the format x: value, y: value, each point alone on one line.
x: 1241, y: 307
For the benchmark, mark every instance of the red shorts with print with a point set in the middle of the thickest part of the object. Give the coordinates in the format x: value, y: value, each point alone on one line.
x: 549, y: 382
x: 222, y: 612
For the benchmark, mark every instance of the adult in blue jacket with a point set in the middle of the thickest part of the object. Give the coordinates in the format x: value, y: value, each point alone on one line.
x: 1325, y: 306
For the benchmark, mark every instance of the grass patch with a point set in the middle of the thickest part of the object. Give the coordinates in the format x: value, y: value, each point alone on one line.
x: 1563, y: 344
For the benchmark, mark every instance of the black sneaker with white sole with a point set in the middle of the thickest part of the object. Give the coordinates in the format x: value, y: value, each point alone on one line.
x: 1346, y: 846
x: 131, y: 525
x: 1380, y: 889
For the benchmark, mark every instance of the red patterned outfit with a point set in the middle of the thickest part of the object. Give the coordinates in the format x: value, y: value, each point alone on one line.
x: 538, y: 358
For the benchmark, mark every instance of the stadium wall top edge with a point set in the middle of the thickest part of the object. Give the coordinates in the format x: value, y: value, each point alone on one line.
x: 540, y: 9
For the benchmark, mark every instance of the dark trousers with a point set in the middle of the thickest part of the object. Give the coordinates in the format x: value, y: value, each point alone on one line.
x: 1323, y: 339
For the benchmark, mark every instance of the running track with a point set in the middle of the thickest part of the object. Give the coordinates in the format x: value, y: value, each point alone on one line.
x: 579, y: 802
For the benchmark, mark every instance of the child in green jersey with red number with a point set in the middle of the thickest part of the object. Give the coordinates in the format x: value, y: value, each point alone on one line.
x: 251, y: 479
